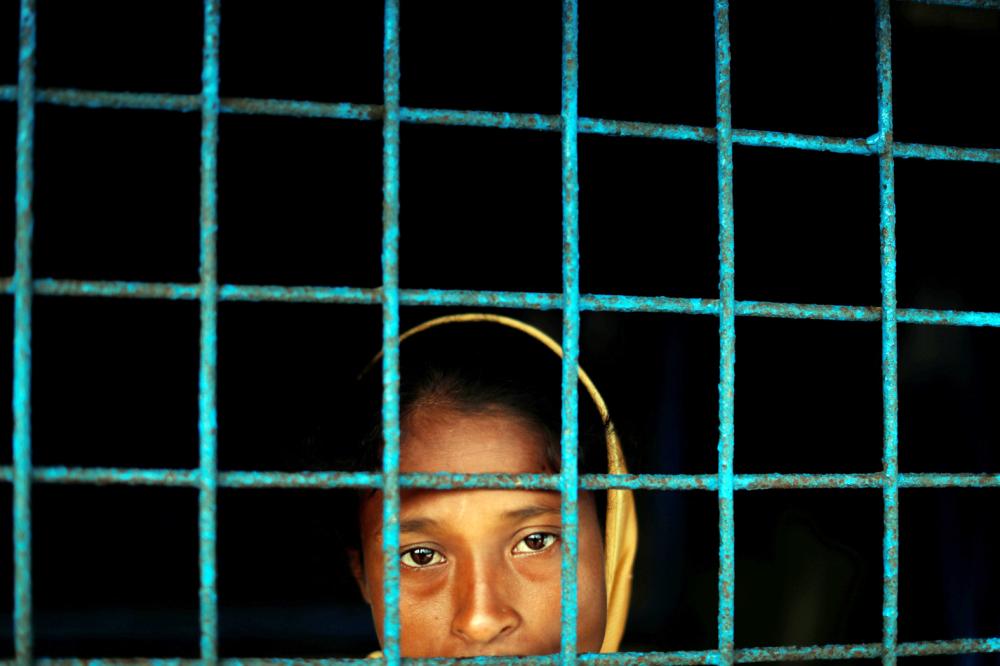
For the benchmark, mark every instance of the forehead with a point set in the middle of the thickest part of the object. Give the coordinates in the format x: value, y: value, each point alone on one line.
x: 437, y: 439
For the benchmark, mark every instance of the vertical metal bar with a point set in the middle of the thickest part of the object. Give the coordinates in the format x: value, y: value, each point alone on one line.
x: 568, y: 476
x: 890, y: 459
x: 390, y: 334
x: 209, y: 295
x: 727, y: 332
x: 23, y: 634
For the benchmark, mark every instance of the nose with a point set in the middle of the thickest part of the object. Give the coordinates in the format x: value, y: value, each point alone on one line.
x: 484, y: 611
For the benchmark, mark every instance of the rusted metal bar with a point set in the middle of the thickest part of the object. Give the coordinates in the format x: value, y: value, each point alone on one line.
x: 975, y: 4
x: 890, y: 408
x: 569, y: 467
x: 208, y: 338
x: 390, y: 332
x: 810, y: 653
x: 807, y: 481
x: 707, y: 657
x: 500, y: 120
x: 448, y: 481
x: 22, y: 286
x: 501, y: 299
x: 727, y: 335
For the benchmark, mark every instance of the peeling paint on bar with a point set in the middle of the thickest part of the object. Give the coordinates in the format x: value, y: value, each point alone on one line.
x: 948, y: 317
x: 828, y: 144
x: 794, y: 311
x: 650, y: 481
x: 808, y: 481
x: 812, y: 652
x: 185, y: 478
x: 208, y: 339
x: 948, y: 153
x: 707, y: 657
x: 569, y: 468
x: 890, y: 407
x: 489, y: 299
x: 683, y: 658
x: 727, y: 336
x: 100, y: 99
x: 960, y: 646
x: 445, y: 481
x: 626, y: 128
x: 501, y: 299
x: 22, y: 284
x: 502, y: 120
x: 949, y: 480
x: 975, y: 4
x: 301, y: 109
x: 390, y: 332
x: 150, y: 290
x: 494, y: 119
x: 605, y: 302
x: 69, y: 661
x: 275, y: 294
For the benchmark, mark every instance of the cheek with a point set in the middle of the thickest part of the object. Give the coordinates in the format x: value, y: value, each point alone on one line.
x: 424, y: 613
x: 541, y: 597
x: 591, y: 592
x: 373, y: 582
x: 591, y: 604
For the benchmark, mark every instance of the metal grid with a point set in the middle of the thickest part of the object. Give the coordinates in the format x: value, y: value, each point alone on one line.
x: 208, y: 292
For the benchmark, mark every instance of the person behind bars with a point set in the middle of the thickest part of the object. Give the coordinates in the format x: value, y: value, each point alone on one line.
x: 480, y: 569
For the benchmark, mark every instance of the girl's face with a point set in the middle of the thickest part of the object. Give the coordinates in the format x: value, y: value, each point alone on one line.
x: 480, y: 569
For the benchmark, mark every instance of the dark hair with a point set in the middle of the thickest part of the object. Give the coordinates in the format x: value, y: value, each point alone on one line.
x: 451, y: 390
x: 472, y: 369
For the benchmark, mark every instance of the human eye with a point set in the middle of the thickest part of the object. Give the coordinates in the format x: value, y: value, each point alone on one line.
x: 420, y: 557
x: 535, y: 542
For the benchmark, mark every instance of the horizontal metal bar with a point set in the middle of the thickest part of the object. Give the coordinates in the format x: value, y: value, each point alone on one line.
x: 947, y: 317
x: 817, y: 652
x: 501, y: 299
x: 928, y: 151
x: 525, y: 121
x: 113, y: 289
x: 708, y: 657
x: 826, y: 144
x: 106, y: 99
x: 866, y: 313
x: 186, y: 478
x: 275, y: 294
x: 301, y: 109
x: 649, y: 481
x: 494, y: 299
x: 488, y: 119
x: 869, y: 650
x: 976, y: 4
x: 334, y: 479
x: 69, y: 661
x: 807, y: 481
x: 949, y: 480
x: 959, y: 646
x: 860, y: 481
x: 798, y: 311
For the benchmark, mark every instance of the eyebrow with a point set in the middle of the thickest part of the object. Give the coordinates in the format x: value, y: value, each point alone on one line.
x: 423, y: 524
x: 416, y: 525
x: 531, y: 512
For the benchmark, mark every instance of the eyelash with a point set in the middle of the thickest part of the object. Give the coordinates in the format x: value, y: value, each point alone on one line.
x: 437, y: 558
x: 549, y: 540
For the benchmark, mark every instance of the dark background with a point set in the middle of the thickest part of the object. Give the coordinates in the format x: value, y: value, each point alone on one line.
x: 114, y: 381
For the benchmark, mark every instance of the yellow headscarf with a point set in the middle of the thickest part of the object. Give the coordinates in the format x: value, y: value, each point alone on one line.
x: 621, y: 531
